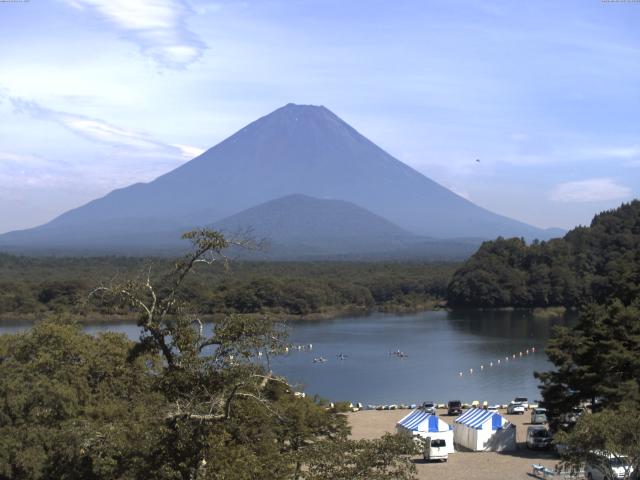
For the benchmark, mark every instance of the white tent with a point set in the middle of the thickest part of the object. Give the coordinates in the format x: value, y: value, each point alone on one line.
x: 423, y: 424
x: 484, y: 430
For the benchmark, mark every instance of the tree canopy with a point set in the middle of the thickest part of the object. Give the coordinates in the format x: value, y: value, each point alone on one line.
x: 182, y: 402
x: 33, y: 286
x: 592, y: 263
x: 596, y: 362
x: 612, y: 434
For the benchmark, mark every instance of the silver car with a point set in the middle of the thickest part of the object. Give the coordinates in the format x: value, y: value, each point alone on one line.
x: 429, y: 407
x: 539, y: 415
x: 515, y: 409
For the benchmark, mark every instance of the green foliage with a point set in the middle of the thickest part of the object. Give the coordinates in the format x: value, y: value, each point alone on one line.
x: 380, y: 459
x: 594, y: 263
x: 597, y: 361
x: 612, y: 432
x: 41, y: 285
x: 179, y: 403
x: 70, y: 402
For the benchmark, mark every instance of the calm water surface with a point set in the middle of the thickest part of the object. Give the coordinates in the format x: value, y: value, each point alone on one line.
x: 439, y: 345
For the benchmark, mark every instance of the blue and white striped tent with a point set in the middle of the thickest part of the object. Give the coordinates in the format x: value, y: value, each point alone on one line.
x: 423, y: 424
x: 478, y: 429
x: 479, y: 418
x: 421, y: 421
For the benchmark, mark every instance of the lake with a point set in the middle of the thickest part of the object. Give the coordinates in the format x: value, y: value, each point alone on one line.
x: 438, y: 346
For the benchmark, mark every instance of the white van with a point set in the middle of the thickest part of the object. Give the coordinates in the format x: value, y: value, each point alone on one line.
x: 605, y: 466
x: 435, y: 449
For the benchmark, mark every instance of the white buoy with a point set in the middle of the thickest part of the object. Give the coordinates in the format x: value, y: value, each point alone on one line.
x: 498, y: 362
x: 460, y: 374
x: 491, y: 364
x: 520, y: 353
x: 481, y: 367
x: 471, y: 370
x: 286, y: 349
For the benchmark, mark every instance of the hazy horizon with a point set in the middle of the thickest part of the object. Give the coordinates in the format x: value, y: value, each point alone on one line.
x: 97, y: 95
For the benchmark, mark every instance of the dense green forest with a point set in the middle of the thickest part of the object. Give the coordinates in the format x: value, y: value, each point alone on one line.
x: 35, y: 285
x: 178, y: 404
x: 589, y: 264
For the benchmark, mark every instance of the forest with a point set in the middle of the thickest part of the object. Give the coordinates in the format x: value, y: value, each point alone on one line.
x: 589, y: 264
x: 33, y: 286
x: 178, y: 404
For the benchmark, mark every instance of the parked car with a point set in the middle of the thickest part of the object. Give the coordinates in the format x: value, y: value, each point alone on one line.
x: 454, y: 407
x: 435, y: 449
x: 429, y: 407
x: 608, y: 465
x: 515, y: 409
x: 538, y: 437
x: 539, y: 415
x: 571, y: 417
x: 524, y: 401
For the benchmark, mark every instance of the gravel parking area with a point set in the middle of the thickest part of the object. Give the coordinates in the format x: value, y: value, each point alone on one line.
x: 461, y: 465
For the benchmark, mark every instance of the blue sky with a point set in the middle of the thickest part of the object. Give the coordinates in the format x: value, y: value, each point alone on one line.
x: 99, y: 94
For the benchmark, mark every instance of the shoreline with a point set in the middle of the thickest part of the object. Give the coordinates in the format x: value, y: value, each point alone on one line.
x: 548, y: 313
x: 332, y: 314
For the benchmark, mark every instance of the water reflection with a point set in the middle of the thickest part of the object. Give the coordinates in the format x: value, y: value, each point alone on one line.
x: 517, y: 324
x: 441, y: 349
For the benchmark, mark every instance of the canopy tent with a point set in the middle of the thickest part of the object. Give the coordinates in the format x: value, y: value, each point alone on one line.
x: 423, y: 424
x: 484, y: 430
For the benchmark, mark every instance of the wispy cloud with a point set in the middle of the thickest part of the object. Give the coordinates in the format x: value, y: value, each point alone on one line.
x: 157, y: 26
x: 102, y: 132
x: 22, y: 159
x: 591, y: 190
x: 623, y: 153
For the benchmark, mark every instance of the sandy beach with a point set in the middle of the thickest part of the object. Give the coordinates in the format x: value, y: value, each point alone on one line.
x: 369, y: 424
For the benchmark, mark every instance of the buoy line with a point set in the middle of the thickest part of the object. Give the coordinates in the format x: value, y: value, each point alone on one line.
x: 500, y: 362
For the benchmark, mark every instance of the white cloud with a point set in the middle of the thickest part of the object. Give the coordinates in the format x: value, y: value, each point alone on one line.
x: 591, y: 190
x: 157, y: 26
x: 21, y: 159
x: 188, y: 151
x: 625, y: 153
x: 102, y: 132
x: 459, y: 191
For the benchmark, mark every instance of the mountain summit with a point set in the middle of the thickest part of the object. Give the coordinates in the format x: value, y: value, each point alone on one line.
x: 297, y: 149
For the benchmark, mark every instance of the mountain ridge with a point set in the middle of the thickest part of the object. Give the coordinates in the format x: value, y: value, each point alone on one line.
x: 294, y: 150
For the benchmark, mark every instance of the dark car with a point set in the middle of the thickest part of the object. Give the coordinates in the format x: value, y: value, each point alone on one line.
x: 538, y: 437
x: 454, y: 407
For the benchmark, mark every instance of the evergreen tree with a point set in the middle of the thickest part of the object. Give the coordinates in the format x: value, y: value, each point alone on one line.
x: 597, y: 361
